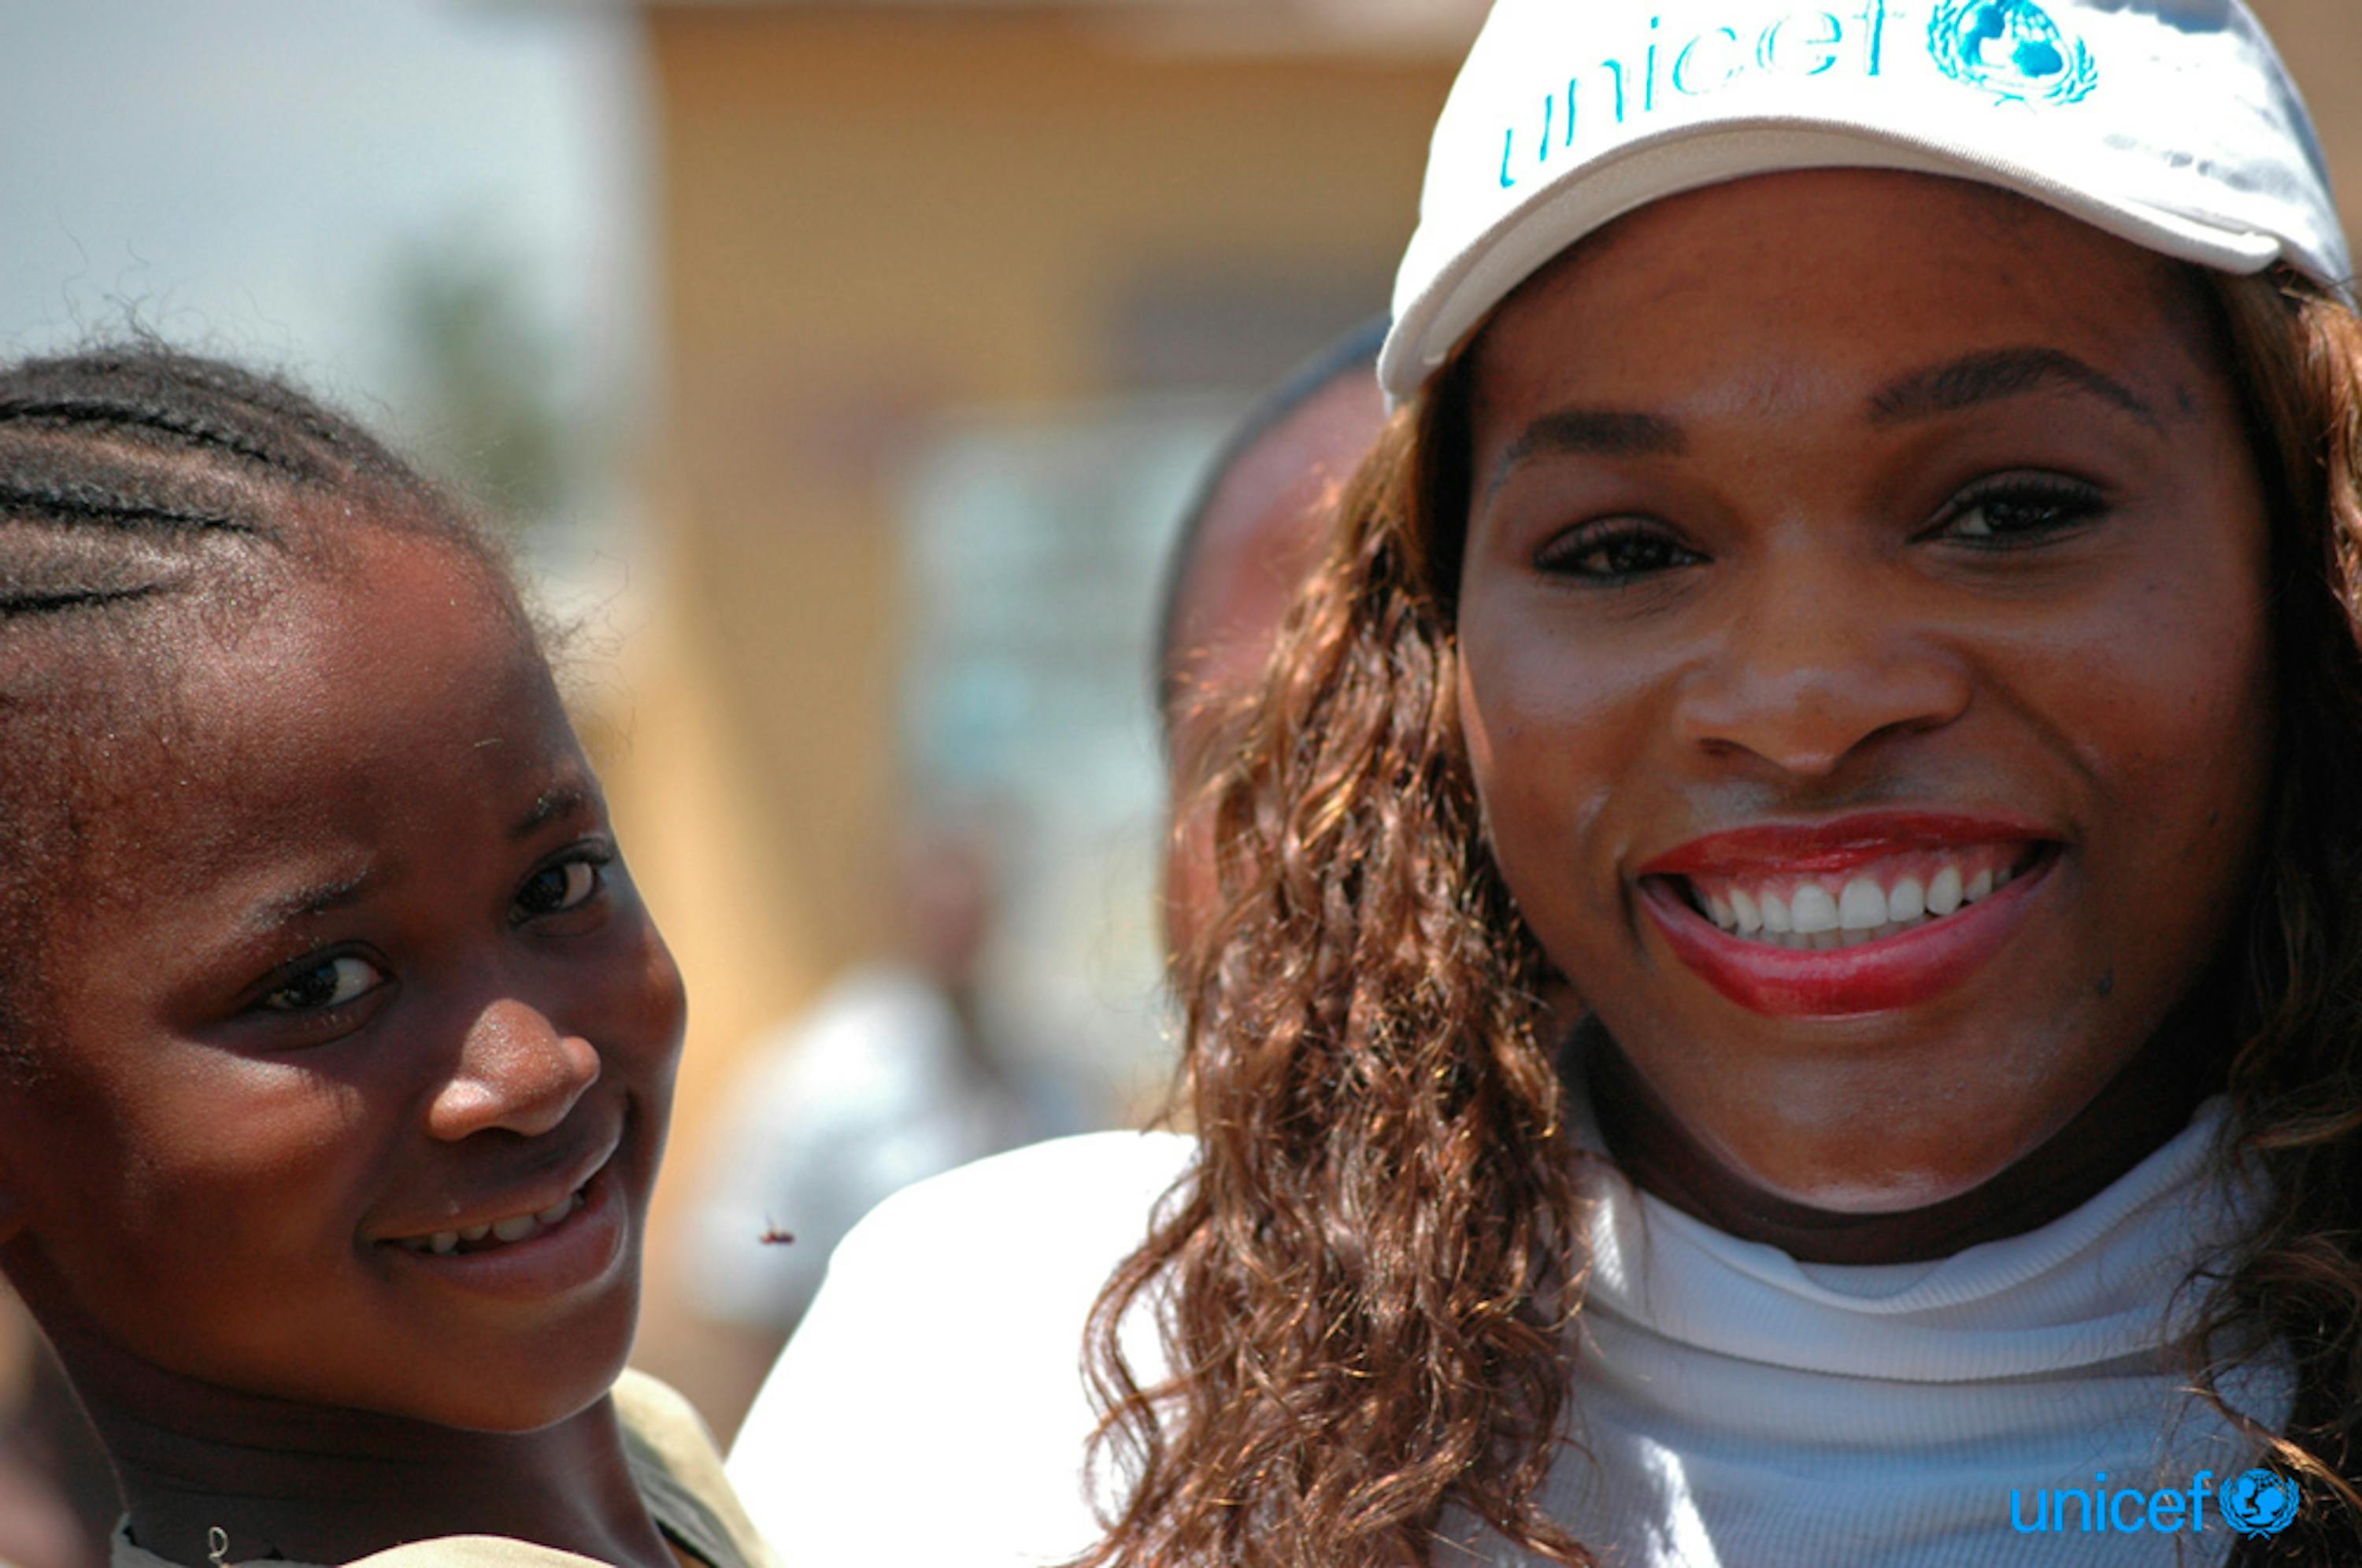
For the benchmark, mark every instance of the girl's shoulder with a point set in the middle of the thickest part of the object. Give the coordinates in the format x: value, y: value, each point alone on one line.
x: 932, y: 1406
x: 675, y: 1463
x: 678, y: 1469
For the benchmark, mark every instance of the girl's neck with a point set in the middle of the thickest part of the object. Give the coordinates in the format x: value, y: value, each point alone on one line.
x: 2143, y: 1107
x: 309, y: 1484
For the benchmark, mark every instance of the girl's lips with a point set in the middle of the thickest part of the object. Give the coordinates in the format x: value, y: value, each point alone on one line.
x: 1892, y: 971
x: 578, y: 1251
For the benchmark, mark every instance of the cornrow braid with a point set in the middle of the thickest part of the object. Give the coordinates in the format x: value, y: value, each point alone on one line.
x: 131, y: 417
x: 79, y: 501
x: 146, y: 392
x: 134, y: 477
x: 57, y: 602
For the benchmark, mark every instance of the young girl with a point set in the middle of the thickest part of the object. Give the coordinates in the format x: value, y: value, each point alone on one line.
x: 1862, y: 583
x: 337, y: 1045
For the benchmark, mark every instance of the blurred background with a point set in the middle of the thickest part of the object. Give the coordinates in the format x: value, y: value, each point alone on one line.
x: 842, y: 371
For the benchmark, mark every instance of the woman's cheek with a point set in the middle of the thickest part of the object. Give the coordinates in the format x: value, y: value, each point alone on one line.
x: 2170, y: 705
x: 1547, y: 743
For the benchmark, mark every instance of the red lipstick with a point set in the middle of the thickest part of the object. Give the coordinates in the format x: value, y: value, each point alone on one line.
x: 1912, y: 966
x: 1839, y: 844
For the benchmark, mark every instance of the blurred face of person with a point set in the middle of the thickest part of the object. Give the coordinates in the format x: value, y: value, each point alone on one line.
x: 1260, y: 540
x: 1864, y: 663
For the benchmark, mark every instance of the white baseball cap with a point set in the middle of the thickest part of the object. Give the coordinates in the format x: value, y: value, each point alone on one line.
x: 2168, y: 123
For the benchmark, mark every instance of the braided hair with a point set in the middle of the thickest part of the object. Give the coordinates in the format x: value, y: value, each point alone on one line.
x: 146, y: 497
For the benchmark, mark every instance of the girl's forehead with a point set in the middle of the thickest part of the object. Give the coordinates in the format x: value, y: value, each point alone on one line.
x: 415, y: 644
x: 373, y: 598
x: 399, y: 688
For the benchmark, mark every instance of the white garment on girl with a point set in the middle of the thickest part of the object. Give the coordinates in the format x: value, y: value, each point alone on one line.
x: 1740, y: 1410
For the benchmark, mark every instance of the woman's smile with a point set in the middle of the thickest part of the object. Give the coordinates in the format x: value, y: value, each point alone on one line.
x: 1850, y: 915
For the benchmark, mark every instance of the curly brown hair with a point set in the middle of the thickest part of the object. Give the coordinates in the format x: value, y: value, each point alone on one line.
x: 1365, y: 1285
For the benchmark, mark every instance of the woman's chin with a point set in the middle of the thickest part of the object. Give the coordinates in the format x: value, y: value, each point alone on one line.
x: 1853, y: 1193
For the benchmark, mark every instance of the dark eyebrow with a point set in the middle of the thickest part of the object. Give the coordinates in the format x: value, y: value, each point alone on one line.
x: 1996, y: 373
x: 1591, y: 433
x: 554, y: 804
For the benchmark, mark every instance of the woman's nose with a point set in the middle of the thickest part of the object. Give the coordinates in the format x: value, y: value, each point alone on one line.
x: 517, y: 1071
x: 1817, y: 663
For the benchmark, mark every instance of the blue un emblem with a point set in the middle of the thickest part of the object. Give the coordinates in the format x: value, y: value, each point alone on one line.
x: 2010, y: 49
x: 2261, y: 1501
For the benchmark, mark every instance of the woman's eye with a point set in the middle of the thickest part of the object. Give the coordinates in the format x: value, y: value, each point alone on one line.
x: 2021, y: 512
x: 330, y: 983
x: 1614, y: 553
x: 555, y: 888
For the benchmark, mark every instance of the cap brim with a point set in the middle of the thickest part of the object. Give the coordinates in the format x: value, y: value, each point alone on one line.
x: 1430, y: 327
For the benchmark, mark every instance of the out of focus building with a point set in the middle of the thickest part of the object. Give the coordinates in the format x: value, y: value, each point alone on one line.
x: 955, y: 296
x: 879, y: 223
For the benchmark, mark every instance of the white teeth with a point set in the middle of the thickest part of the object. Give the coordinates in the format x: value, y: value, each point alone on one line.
x: 1798, y: 910
x: 1906, y: 900
x: 1862, y: 905
x: 516, y: 1227
x: 1811, y: 908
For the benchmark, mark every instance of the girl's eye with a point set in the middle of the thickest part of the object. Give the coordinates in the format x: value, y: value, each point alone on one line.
x: 563, y: 886
x: 1608, y: 554
x: 328, y: 984
x: 2021, y: 510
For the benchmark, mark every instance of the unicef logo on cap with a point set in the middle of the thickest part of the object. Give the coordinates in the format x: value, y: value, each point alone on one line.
x: 2010, y: 49
x: 2261, y: 1501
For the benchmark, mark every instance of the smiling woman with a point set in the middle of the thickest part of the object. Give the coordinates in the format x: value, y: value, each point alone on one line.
x: 1858, y: 605
x: 1875, y: 622
x: 1904, y: 642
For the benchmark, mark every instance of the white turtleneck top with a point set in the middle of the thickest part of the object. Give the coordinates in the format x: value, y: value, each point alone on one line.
x: 1733, y: 1408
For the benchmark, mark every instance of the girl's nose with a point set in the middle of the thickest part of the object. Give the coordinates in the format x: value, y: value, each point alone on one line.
x: 1817, y: 664
x: 517, y: 1071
